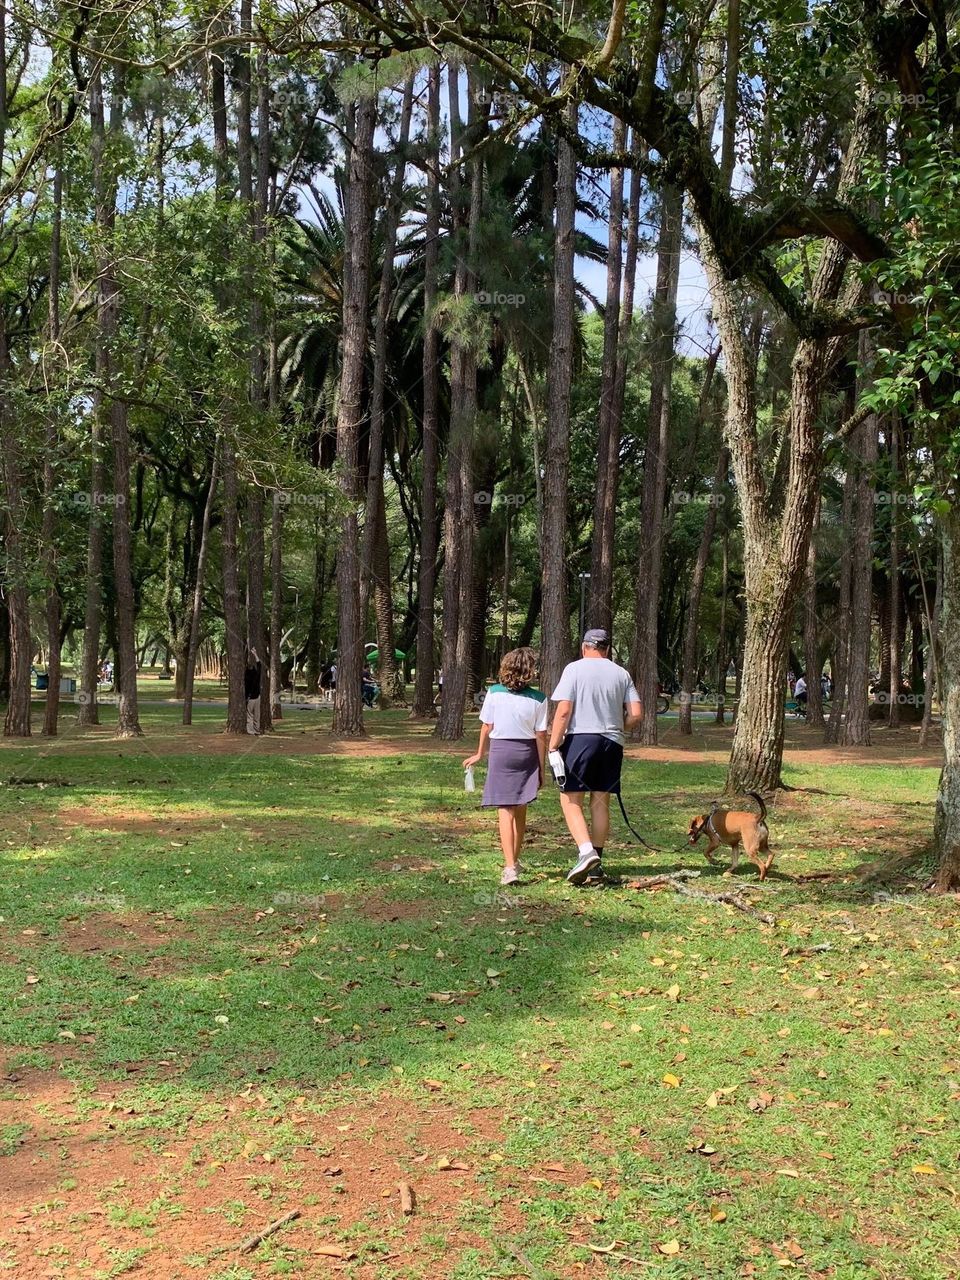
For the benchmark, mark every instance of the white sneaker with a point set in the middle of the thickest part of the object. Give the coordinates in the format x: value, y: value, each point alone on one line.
x: 510, y: 875
x: 583, y: 866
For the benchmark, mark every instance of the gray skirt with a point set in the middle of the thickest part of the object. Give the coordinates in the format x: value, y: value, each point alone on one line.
x: 513, y: 772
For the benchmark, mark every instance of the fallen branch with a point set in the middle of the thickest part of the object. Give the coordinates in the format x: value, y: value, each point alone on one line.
x: 408, y: 1199
x: 522, y: 1258
x: 611, y: 1251
x: 731, y: 900
x: 653, y: 882
x: 251, y: 1242
x: 807, y: 951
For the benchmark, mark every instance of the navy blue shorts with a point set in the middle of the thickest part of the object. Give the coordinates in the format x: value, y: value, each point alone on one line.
x: 593, y: 763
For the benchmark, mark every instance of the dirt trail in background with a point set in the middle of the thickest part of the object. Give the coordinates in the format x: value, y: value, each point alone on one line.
x: 709, y: 744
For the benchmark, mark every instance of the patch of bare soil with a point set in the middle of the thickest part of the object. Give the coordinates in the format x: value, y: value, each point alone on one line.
x: 404, y: 862
x: 378, y: 907
x: 84, y: 1189
x: 131, y: 820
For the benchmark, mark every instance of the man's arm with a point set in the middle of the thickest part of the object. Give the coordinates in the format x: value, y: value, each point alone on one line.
x: 561, y: 718
x: 633, y: 717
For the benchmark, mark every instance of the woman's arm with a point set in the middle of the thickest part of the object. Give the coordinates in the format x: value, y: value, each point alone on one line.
x: 484, y: 735
x: 542, y: 751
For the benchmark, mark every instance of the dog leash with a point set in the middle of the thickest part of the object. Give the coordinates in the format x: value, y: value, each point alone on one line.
x: 646, y: 844
x: 558, y: 769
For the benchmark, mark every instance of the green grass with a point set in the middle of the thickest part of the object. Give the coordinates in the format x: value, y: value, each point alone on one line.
x: 664, y: 1050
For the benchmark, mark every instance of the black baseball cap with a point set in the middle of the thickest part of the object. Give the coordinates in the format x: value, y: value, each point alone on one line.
x: 597, y: 638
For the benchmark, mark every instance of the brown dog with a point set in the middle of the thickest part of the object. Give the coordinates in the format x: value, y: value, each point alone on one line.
x: 734, y: 827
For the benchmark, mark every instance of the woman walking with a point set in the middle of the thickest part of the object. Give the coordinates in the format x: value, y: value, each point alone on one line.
x: 513, y: 719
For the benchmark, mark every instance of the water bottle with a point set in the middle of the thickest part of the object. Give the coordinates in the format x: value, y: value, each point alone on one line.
x: 468, y: 782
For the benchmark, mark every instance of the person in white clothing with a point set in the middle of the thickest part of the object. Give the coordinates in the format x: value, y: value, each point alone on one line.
x: 513, y: 721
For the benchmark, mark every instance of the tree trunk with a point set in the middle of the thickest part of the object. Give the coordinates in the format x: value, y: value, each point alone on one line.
x: 894, y: 598
x: 348, y: 705
x: 723, y: 660
x: 108, y: 313
x: 234, y: 629
x: 688, y: 675
x: 555, y: 649
x: 427, y: 575
x: 608, y: 440
x: 256, y: 622
x: 841, y: 652
x: 931, y: 669
x: 196, y: 612
x: 17, y: 721
x: 233, y: 621
x: 663, y: 361
x: 375, y: 459
x: 458, y: 522
x: 53, y: 610
x: 128, y: 718
x: 276, y: 604
x: 777, y: 510
x: 855, y: 729
x: 946, y: 831
x: 388, y: 673
x: 811, y: 644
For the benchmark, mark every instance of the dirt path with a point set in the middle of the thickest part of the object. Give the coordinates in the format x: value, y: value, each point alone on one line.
x: 708, y: 745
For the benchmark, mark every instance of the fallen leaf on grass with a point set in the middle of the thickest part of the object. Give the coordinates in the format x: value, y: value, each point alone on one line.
x: 760, y: 1103
x: 923, y: 1168
x: 333, y: 1251
x: 445, y: 1163
x: 671, y: 1081
x: 717, y: 1214
x: 788, y: 1173
x: 669, y: 1248
x: 673, y: 993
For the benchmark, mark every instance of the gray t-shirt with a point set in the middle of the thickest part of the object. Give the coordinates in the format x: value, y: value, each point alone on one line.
x: 599, y: 690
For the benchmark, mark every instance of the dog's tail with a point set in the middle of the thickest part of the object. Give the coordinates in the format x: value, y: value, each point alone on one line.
x: 755, y: 795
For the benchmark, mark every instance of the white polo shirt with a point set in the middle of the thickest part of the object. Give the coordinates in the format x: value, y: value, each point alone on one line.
x: 520, y: 714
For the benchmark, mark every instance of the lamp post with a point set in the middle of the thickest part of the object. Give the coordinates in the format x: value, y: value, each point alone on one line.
x: 584, y: 579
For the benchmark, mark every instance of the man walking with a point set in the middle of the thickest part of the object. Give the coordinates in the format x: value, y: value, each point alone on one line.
x: 596, y: 705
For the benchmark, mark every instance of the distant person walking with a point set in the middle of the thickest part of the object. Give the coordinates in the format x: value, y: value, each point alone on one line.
x: 251, y: 691
x: 513, y: 720
x: 800, y: 691
x: 596, y: 704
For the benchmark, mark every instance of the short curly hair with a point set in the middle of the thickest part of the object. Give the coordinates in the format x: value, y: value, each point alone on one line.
x: 518, y: 668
